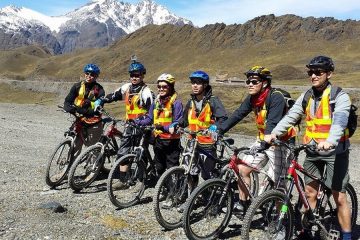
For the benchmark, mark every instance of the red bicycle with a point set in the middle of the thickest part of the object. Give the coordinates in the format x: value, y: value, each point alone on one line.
x: 273, y: 214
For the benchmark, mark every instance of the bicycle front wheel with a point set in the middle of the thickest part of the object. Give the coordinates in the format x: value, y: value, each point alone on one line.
x: 268, y: 218
x: 58, y: 164
x: 208, y: 210
x: 329, y: 214
x: 128, y: 191
x: 86, y: 168
x: 110, y: 154
x: 171, y: 192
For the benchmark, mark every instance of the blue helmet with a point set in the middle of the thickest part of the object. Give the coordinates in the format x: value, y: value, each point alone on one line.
x: 200, y: 75
x: 92, y: 68
x: 137, y: 67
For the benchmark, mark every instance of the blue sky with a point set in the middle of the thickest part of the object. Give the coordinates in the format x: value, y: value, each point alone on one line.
x: 202, y: 12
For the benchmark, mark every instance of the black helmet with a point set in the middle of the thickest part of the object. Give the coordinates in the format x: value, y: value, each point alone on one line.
x: 322, y: 62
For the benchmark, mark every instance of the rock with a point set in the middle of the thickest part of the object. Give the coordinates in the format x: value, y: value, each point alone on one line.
x: 54, y: 206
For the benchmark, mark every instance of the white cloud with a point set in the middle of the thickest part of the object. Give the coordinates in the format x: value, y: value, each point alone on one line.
x: 239, y: 11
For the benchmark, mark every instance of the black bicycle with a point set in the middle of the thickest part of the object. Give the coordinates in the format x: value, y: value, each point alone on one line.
x: 96, y: 158
x: 63, y: 156
x: 140, y: 171
x: 273, y: 214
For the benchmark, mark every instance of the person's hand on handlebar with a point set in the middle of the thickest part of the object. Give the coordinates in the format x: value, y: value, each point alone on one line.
x: 325, y: 146
x: 173, y: 127
x: 269, y: 138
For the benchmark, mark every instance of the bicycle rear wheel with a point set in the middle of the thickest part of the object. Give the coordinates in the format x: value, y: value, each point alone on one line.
x: 171, y: 192
x: 58, y: 164
x: 86, y: 168
x: 208, y: 210
x: 127, y: 192
x: 262, y: 219
x: 329, y: 214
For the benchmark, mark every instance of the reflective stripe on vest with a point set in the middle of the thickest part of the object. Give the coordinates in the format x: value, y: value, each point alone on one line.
x: 260, y: 120
x: 203, y: 121
x: 133, y: 110
x: 79, y: 101
x: 164, y: 117
x: 318, y: 126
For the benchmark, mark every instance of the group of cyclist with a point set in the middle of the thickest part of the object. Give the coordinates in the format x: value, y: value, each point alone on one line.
x: 325, y: 125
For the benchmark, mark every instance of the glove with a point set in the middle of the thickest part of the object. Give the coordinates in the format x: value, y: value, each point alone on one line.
x: 98, y: 102
x: 212, y: 128
x: 172, y: 127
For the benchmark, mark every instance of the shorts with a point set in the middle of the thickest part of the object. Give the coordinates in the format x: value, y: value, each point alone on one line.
x: 337, y: 169
x: 277, y: 158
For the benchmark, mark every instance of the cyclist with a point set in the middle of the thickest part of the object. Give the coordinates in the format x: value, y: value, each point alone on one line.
x: 82, y: 99
x: 269, y: 107
x: 166, y: 109
x: 138, y: 99
x: 326, y: 127
x: 202, y: 111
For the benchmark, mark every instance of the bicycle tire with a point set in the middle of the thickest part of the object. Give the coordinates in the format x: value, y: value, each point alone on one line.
x: 258, y: 207
x: 133, y: 188
x: 330, y: 212
x: 83, y: 171
x: 164, y: 191
x: 60, y: 163
x: 203, y: 207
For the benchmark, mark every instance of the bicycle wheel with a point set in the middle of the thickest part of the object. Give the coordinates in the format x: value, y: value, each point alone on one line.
x: 254, y: 181
x: 262, y: 219
x: 208, y: 210
x: 329, y: 214
x: 171, y: 191
x: 128, y: 192
x: 86, y: 168
x: 58, y: 164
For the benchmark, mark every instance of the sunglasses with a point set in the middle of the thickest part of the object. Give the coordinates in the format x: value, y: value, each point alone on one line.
x: 196, y: 81
x: 91, y: 74
x: 135, y: 75
x: 316, y: 72
x: 253, y: 82
x: 162, y: 86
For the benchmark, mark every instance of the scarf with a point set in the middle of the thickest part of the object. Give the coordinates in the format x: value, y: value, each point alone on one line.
x: 258, y: 100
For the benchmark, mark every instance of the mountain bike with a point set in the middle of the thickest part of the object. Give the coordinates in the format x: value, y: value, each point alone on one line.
x: 141, y: 171
x: 273, y: 214
x: 209, y: 208
x: 176, y: 183
x: 96, y: 158
x: 63, y: 156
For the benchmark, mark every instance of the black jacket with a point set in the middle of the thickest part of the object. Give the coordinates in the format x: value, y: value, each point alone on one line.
x: 74, y: 93
x: 218, y: 111
x: 275, y: 112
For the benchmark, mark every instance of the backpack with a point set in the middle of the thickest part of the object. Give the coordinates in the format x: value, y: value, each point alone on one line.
x: 289, y: 101
x: 352, y: 121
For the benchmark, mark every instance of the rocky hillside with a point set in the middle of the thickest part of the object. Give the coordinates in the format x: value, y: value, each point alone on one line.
x: 284, y: 44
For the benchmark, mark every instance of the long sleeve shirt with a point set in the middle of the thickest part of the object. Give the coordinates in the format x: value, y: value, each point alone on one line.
x: 275, y: 111
x: 148, y: 118
x: 340, y: 117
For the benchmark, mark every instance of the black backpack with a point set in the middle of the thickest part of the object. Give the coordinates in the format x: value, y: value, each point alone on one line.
x: 352, y: 121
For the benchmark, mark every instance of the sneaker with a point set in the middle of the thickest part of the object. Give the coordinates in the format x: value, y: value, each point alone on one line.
x: 238, y: 207
x: 120, y: 186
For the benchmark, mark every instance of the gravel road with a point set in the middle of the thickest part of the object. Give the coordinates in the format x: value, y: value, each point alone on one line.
x: 29, y: 135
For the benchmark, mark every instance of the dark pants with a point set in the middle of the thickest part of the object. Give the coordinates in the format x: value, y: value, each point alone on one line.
x: 130, y: 138
x: 167, y: 154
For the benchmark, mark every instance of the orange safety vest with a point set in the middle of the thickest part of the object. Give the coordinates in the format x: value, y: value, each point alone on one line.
x: 164, y: 116
x: 132, y: 105
x: 202, y: 121
x: 318, y: 126
x: 260, y: 119
x: 79, y: 101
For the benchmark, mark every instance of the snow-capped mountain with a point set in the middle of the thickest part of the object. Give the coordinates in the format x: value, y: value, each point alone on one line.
x: 97, y: 24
